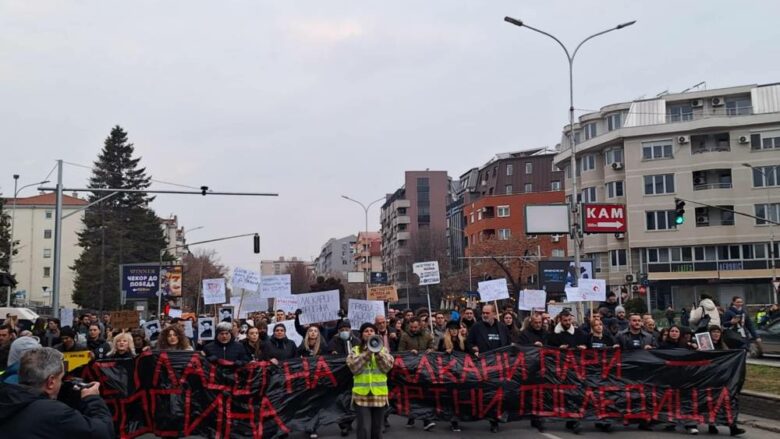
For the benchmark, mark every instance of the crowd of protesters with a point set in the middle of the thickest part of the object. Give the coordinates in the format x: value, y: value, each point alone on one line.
x: 468, y: 331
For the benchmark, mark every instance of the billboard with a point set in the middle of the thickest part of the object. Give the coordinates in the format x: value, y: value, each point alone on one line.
x: 555, y: 276
x: 547, y: 219
x: 172, y: 277
x: 139, y: 281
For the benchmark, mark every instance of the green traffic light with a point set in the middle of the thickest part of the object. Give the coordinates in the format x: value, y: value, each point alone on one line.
x: 679, y: 219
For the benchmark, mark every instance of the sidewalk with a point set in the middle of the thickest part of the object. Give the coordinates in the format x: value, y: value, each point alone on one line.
x: 760, y: 423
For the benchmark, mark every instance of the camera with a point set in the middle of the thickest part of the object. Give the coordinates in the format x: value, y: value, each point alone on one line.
x: 375, y: 343
x: 79, y: 384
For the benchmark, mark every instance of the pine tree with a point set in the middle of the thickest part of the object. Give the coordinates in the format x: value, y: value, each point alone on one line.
x: 5, y: 250
x: 119, y: 230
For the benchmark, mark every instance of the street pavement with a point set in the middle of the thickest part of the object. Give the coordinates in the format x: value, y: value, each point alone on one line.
x: 766, y: 360
x: 555, y: 430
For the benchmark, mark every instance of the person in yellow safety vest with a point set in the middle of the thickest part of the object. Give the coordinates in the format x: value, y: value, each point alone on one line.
x: 369, y: 391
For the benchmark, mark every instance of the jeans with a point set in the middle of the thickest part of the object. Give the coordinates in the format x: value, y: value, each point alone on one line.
x: 369, y: 422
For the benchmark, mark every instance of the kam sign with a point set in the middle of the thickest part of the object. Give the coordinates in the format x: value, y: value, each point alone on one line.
x: 604, y: 218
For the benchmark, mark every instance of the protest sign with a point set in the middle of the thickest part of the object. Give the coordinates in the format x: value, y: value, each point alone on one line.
x: 491, y: 290
x: 253, y: 303
x: 174, y: 313
x: 286, y: 304
x: 206, y: 328
x: 386, y: 293
x: 214, y: 291
x: 188, y: 329
x: 292, y: 334
x: 246, y: 279
x: 532, y: 299
x: 275, y: 286
x: 555, y: 308
x: 152, y: 329
x: 593, y: 289
x: 75, y: 359
x: 573, y: 294
x: 364, y: 311
x: 66, y: 317
x: 428, y: 272
x: 319, y: 307
x: 124, y: 319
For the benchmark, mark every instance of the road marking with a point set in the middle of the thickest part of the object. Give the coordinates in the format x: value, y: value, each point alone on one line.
x: 551, y: 436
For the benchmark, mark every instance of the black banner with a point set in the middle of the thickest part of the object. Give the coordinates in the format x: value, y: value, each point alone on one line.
x: 174, y: 393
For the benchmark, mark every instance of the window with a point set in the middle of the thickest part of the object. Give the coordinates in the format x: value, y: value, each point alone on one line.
x: 588, y: 162
x: 47, y: 253
x: 765, y: 140
x: 614, y: 155
x: 508, y: 189
x: 659, y: 184
x: 589, y: 195
x: 555, y: 185
x: 765, y: 176
x: 590, y: 130
x: 617, y: 259
x: 738, y: 106
x: 504, y: 234
x: 479, y: 215
x: 657, y: 150
x: 529, y: 168
x: 47, y: 234
x: 529, y: 187
x: 472, y: 217
x: 680, y: 113
x: 614, y: 121
x: 767, y: 211
x: 502, y: 211
x: 558, y: 253
x: 614, y: 189
x: 48, y: 214
x: 660, y: 220
x: 46, y: 271
x: 509, y: 169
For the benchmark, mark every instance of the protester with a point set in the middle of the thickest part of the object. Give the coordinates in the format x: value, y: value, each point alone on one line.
x: 388, y: 334
x: 738, y: 320
x: 369, y: 391
x: 51, y: 336
x: 279, y: 347
x: 707, y: 311
x: 649, y: 327
x: 416, y: 340
x: 669, y: 314
x: 468, y: 318
x: 123, y: 347
x: 718, y: 344
x: 68, y: 341
x: 224, y: 347
x: 635, y: 338
x: 344, y: 340
x: 567, y: 336
x: 610, y: 304
x: 140, y: 343
x: 599, y: 338
x: 7, y: 336
x: 312, y: 344
x: 453, y: 340
x: 97, y: 346
x: 485, y: 336
x: 439, y: 327
x: 18, y: 348
x: 172, y: 338
x: 674, y: 339
x: 620, y: 318
x: 253, y: 344
x: 533, y: 333
x: 30, y: 410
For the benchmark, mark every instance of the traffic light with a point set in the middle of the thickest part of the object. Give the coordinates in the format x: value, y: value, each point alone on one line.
x: 257, y: 243
x: 679, y: 211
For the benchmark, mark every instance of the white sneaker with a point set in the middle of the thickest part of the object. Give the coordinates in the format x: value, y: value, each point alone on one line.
x: 692, y: 430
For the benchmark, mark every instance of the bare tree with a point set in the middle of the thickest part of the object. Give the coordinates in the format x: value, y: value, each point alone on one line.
x: 203, y: 264
x: 509, y: 258
x: 300, y: 277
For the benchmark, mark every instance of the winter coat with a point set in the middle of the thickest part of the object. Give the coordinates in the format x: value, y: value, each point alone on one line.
x: 25, y: 413
x: 606, y: 341
x: 337, y: 346
x: 99, y: 347
x: 254, y: 354
x: 745, y: 321
x: 706, y: 306
x: 303, y: 350
x: 280, y: 349
x: 479, y: 336
x: 529, y: 336
x: 572, y: 337
x: 420, y: 342
x: 230, y: 351
x: 626, y: 341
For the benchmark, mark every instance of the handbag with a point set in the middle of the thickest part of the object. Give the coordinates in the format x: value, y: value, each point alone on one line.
x: 704, y: 322
x: 733, y: 339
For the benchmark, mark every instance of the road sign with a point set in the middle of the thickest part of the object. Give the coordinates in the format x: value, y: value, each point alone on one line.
x: 604, y: 218
x: 427, y: 271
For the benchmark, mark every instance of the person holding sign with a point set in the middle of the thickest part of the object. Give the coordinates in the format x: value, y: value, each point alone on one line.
x: 369, y: 391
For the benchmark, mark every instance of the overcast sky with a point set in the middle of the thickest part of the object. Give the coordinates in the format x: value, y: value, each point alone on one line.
x: 314, y: 99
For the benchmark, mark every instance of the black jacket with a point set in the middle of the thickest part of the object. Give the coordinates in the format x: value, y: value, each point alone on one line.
x: 478, y: 336
x: 283, y: 349
x: 339, y: 346
x: 606, y: 340
x: 27, y: 414
x: 572, y: 340
x: 626, y: 340
x: 529, y: 336
x: 230, y: 351
x: 99, y: 347
x: 250, y: 350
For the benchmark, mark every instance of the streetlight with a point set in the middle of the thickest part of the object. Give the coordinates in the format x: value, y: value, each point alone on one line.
x: 573, y: 161
x: 13, y: 221
x: 771, y: 229
x: 367, y: 269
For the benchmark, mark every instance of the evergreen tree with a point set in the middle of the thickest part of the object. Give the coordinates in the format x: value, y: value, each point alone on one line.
x: 5, y: 251
x: 119, y: 230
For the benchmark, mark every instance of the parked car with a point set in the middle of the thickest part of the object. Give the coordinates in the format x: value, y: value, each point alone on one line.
x: 770, y: 341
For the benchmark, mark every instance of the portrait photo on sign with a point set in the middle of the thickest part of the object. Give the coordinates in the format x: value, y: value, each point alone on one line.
x: 206, y: 328
x: 225, y: 313
x: 152, y: 329
x: 704, y: 341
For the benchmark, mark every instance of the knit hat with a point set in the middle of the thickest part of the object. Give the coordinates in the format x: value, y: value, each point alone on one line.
x: 453, y: 324
x: 619, y: 309
x: 346, y: 324
x: 67, y: 331
x: 367, y: 325
x: 20, y: 346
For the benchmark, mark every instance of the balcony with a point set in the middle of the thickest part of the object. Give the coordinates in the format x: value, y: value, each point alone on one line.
x: 401, y: 219
x: 712, y: 179
x: 403, y: 236
x: 710, y: 143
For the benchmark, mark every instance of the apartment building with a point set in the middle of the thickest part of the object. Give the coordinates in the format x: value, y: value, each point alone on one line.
x: 367, y: 252
x: 413, y: 213
x: 282, y: 266
x: 336, y: 257
x: 719, y: 150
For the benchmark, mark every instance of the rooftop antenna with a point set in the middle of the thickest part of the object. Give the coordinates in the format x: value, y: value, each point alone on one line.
x: 665, y: 92
x: 703, y: 83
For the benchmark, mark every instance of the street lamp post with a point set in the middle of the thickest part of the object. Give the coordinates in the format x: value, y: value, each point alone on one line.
x: 367, y: 267
x: 771, y: 231
x: 13, y: 223
x: 575, y: 207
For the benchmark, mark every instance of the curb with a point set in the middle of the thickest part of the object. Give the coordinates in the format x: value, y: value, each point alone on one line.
x: 759, y: 408
x: 760, y: 425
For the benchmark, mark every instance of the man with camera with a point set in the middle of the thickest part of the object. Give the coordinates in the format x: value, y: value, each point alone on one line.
x: 31, y: 410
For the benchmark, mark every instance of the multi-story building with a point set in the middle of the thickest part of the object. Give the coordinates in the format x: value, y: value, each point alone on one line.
x: 367, y: 252
x: 413, y: 215
x: 336, y: 257
x: 33, y: 264
x: 174, y: 236
x: 698, y: 146
x: 282, y: 265
x: 456, y: 222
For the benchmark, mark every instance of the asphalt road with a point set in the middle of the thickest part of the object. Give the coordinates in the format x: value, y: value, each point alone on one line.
x: 766, y: 360
x: 555, y: 430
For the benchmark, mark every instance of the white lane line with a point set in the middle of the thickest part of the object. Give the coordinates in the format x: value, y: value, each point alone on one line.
x: 551, y: 436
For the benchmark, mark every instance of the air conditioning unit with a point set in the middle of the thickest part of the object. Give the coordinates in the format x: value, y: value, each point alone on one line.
x: 697, y: 103
x: 717, y: 101
x: 555, y: 238
x: 697, y: 181
x: 683, y: 139
x: 620, y: 236
x: 744, y: 140
x: 617, y: 166
x: 702, y: 219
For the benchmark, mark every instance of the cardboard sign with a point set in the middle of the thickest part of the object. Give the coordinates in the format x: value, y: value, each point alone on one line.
x: 77, y: 359
x: 386, y: 293
x: 124, y: 319
x: 246, y: 279
x: 428, y: 272
x: 275, y: 286
x: 214, y: 292
x: 364, y: 311
x: 491, y: 290
x: 529, y: 300
x: 319, y: 307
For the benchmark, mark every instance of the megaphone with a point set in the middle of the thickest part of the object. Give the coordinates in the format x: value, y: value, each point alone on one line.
x: 375, y: 343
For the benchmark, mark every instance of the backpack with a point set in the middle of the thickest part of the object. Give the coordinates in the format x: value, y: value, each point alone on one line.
x: 704, y: 322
